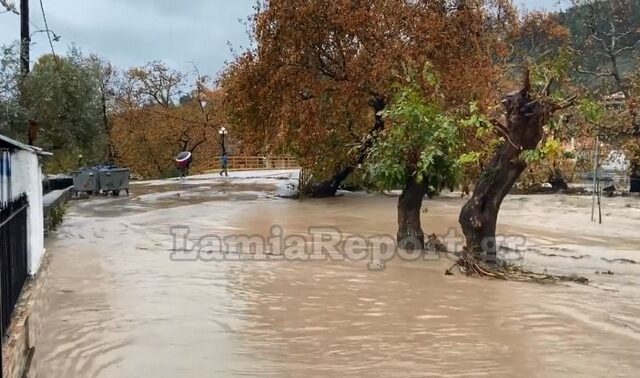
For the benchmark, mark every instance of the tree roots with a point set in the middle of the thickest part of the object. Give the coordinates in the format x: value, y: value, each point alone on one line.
x: 471, y: 265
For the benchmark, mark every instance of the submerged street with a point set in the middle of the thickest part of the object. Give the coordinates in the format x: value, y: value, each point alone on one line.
x: 117, y: 305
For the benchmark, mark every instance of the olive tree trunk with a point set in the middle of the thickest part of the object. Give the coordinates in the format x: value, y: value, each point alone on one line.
x: 479, y: 216
x: 526, y: 118
x: 410, y: 234
x: 330, y: 187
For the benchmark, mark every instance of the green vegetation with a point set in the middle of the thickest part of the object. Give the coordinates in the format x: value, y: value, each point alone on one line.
x: 62, y: 96
x: 57, y: 216
x: 421, y: 143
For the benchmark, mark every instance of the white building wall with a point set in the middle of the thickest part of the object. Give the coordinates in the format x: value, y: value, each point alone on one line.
x: 26, y: 176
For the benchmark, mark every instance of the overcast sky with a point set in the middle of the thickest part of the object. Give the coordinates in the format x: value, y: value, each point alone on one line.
x: 132, y: 32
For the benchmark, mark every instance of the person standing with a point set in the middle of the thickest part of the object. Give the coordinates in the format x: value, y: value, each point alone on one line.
x: 183, y: 162
x: 225, y: 164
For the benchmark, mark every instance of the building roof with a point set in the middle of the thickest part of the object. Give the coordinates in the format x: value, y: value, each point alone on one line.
x: 5, y: 141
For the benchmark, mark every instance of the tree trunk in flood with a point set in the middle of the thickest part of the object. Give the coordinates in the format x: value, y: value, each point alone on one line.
x: 479, y: 215
x: 478, y: 218
x: 410, y: 234
x: 330, y: 187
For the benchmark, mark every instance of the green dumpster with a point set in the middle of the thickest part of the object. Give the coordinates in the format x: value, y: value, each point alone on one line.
x: 114, y: 180
x: 85, y: 181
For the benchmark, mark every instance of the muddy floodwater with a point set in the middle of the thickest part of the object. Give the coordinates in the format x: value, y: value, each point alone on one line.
x: 119, y: 305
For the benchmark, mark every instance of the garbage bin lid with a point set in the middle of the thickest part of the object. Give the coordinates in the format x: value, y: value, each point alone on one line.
x: 183, y: 156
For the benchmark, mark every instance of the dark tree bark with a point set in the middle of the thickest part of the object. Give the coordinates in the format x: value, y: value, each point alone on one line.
x: 635, y: 169
x: 410, y: 234
x: 557, y: 181
x: 330, y: 187
x: 635, y: 178
x: 526, y: 118
x: 32, y: 132
x: 111, y: 151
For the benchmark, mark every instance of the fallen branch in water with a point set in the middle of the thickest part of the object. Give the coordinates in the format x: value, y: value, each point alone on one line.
x: 472, y: 265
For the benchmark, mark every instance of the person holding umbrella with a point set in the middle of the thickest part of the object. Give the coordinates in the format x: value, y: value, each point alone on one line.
x: 183, y: 162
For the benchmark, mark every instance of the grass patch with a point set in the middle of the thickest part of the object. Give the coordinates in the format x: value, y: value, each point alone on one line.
x: 57, y: 216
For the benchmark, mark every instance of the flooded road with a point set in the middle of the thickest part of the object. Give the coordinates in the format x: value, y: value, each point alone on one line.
x: 120, y: 306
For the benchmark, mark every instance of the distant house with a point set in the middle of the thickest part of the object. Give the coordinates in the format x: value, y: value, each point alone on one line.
x: 21, y: 175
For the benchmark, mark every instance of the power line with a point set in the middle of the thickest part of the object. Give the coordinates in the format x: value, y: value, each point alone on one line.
x: 39, y: 29
x: 46, y: 25
x: 36, y: 25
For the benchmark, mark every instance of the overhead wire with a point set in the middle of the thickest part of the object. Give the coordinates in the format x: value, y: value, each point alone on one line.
x: 46, y: 25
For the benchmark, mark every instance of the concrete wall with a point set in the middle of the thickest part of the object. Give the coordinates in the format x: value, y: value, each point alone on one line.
x: 26, y: 176
x: 52, y: 201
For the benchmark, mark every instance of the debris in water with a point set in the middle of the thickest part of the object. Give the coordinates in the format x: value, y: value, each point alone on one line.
x: 471, y: 265
x: 435, y: 244
x: 623, y: 261
x: 560, y: 256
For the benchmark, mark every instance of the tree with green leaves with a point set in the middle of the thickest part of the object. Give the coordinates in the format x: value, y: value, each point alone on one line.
x: 62, y: 95
x: 60, y: 107
x: 419, y: 152
x: 12, y: 114
x: 106, y: 77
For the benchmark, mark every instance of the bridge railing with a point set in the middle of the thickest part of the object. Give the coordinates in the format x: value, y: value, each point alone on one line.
x: 250, y: 163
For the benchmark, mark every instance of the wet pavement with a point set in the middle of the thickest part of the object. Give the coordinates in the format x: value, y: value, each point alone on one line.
x: 122, y: 303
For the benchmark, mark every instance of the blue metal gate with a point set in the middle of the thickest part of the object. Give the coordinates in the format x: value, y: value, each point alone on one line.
x: 5, y: 175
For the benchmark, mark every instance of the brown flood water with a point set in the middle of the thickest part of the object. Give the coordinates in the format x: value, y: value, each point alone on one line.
x: 118, y: 306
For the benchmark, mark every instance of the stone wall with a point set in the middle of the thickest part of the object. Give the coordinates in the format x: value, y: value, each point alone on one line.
x: 26, y: 324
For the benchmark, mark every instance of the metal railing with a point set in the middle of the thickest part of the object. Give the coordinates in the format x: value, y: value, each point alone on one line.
x: 240, y: 163
x: 618, y: 179
x: 58, y: 183
x: 13, y: 255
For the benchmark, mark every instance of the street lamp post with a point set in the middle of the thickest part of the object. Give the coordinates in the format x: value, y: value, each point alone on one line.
x: 223, y: 134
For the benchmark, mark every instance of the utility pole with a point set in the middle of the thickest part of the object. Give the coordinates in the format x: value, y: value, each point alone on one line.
x: 25, y: 46
x: 25, y: 38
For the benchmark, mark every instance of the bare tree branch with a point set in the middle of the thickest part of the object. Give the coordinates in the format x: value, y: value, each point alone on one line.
x: 564, y: 104
x: 627, y: 48
x: 620, y: 36
x: 503, y: 131
x: 547, y: 88
x: 597, y: 74
x: 602, y: 41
